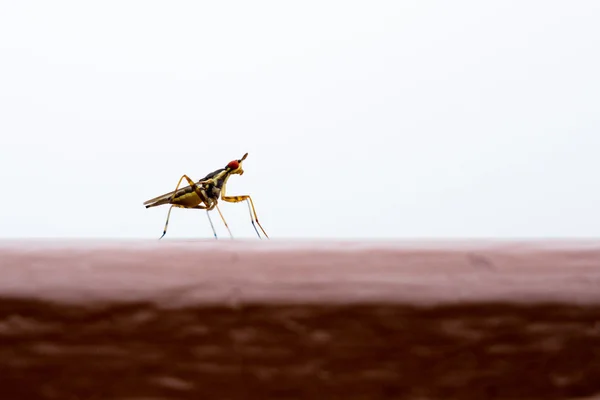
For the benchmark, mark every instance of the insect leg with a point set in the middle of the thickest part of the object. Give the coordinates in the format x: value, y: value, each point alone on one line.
x: 179, y: 183
x: 237, y: 199
x: 198, y: 207
x: 167, y: 222
x: 211, y: 224
x: 225, y: 222
x: 252, y: 219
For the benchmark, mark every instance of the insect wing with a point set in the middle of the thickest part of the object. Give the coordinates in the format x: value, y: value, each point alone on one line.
x: 166, y: 196
x: 180, y: 191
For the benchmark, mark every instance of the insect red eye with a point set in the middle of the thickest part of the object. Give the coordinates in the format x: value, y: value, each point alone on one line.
x: 233, y: 165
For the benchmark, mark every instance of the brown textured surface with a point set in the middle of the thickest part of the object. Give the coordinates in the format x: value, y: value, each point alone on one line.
x: 198, y: 320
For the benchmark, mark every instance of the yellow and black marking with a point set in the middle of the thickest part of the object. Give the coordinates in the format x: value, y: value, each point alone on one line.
x: 205, y: 194
x: 188, y: 196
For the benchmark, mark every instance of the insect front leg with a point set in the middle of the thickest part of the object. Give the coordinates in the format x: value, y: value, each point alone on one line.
x: 252, y: 210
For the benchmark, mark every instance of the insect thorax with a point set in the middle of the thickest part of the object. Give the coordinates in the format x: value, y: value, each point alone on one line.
x: 214, y: 190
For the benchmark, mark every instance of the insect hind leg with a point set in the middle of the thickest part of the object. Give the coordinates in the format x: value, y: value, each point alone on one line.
x: 198, y: 207
x: 167, y: 222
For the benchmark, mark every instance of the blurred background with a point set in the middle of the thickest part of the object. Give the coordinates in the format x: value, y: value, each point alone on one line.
x: 390, y: 119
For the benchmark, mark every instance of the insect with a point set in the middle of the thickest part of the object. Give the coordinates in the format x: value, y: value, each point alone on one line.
x: 204, y: 195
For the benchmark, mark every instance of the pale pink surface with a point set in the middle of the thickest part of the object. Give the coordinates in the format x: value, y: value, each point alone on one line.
x: 175, y: 272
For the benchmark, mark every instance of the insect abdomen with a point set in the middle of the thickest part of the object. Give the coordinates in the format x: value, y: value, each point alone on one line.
x: 188, y: 199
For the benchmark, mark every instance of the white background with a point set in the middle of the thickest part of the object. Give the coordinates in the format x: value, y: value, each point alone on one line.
x: 399, y: 119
